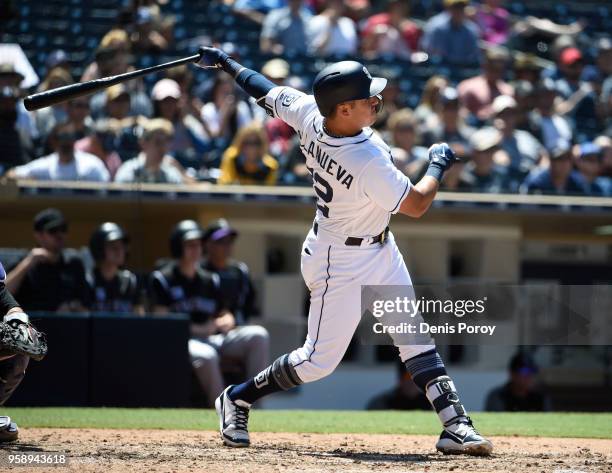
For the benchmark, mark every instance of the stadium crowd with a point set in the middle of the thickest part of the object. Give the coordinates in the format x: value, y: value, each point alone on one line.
x: 521, y: 123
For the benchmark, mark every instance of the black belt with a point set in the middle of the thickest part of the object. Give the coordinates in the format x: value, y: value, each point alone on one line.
x: 354, y: 241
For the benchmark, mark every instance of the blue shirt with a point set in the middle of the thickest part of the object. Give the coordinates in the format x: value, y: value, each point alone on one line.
x: 288, y: 30
x: 539, y: 182
x: 456, y: 44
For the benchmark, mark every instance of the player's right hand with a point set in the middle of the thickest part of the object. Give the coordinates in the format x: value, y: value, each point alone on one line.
x: 441, y: 155
x: 211, y: 58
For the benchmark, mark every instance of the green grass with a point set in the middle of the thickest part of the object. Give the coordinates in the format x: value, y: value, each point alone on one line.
x: 382, y: 422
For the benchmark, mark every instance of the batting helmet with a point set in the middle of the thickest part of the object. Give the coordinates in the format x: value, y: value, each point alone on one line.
x: 108, y: 231
x: 342, y: 82
x: 183, y: 231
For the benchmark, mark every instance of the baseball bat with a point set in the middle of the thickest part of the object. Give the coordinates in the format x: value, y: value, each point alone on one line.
x: 72, y: 91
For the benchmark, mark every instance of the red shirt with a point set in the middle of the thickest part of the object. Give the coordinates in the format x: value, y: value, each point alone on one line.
x: 409, y: 30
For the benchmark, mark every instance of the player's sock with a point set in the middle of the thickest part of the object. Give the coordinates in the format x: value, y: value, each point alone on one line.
x: 429, y: 374
x: 279, y: 376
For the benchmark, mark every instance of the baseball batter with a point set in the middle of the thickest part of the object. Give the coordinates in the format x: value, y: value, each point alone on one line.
x: 358, y: 188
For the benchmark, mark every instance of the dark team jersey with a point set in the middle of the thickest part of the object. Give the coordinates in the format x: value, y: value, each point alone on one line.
x: 48, y: 285
x: 7, y: 302
x: 199, y: 297
x: 119, y: 294
x: 236, y: 289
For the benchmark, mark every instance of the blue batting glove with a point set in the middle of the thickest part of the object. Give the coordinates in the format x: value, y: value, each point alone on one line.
x: 211, y: 58
x: 441, y: 155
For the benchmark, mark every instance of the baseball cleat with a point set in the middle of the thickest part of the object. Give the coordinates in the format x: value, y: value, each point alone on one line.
x: 461, y: 438
x: 8, y: 430
x: 233, y: 420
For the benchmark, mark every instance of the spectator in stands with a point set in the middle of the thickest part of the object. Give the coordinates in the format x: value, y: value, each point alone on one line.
x: 284, y: 29
x: 47, y: 118
x: 153, y: 164
x: 58, y: 58
x: 525, y: 95
x: 102, y: 143
x: 112, y: 288
x: 280, y: 134
x: 256, y: 10
x: 526, y: 67
x: 184, y: 286
x: 65, y: 164
x: 396, y: 17
x: 383, y: 38
x: 247, y: 160
x: 493, y: 21
x: 451, y: 37
x: 547, y: 125
x: 558, y: 177
x: 477, y: 93
x: 146, y: 37
x: 189, y: 141
x: 402, y: 397
x: 523, y: 150
x: 482, y: 173
x: 225, y: 114
x: 78, y: 116
x: 17, y: 146
x: 118, y: 102
x: 235, y: 285
x: 605, y: 143
x: 426, y: 112
x: 520, y: 393
x: 50, y: 277
x: 578, y: 97
x: 451, y: 127
x: 588, y: 162
x: 412, y: 160
x: 332, y: 33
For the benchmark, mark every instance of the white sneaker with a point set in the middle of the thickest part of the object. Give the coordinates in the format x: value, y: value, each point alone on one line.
x: 8, y: 430
x: 233, y: 420
x: 462, y: 438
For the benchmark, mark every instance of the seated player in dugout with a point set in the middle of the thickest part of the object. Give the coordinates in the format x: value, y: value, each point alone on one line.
x: 184, y: 286
x: 358, y: 189
x: 237, y: 292
x: 50, y: 277
x: 113, y: 289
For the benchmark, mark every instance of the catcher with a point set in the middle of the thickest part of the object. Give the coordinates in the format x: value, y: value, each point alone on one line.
x: 19, y: 341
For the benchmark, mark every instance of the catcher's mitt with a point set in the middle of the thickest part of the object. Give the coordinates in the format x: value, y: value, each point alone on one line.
x: 18, y: 337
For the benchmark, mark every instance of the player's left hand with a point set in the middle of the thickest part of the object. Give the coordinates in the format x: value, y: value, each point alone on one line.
x: 211, y: 58
x: 19, y: 337
x: 441, y: 155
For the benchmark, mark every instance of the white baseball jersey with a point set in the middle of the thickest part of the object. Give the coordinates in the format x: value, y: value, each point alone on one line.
x: 357, y: 185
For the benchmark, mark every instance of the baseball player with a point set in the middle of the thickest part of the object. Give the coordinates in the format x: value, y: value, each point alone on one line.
x: 358, y: 189
x: 18, y: 342
x: 112, y: 287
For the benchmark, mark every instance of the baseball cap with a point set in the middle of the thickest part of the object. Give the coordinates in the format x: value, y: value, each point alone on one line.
x: 449, y: 95
x: 276, y: 69
x: 56, y: 58
x: 166, y: 88
x: 570, y: 56
x: 485, y: 139
x: 116, y: 91
x: 523, y: 364
x: 450, y: 3
x: 219, y: 229
x: 589, y: 148
x: 49, y: 219
x: 503, y: 102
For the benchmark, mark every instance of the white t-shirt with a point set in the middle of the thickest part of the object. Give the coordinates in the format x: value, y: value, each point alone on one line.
x: 211, y: 115
x: 84, y: 167
x: 357, y: 184
x: 343, y: 39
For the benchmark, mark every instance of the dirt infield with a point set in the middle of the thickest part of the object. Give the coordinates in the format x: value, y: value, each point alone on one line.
x: 115, y: 451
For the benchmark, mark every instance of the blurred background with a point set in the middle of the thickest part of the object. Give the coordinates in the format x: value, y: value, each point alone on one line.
x: 154, y: 229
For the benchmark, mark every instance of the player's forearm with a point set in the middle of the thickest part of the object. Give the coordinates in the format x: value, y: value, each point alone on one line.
x: 420, y: 197
x: 253, y: 83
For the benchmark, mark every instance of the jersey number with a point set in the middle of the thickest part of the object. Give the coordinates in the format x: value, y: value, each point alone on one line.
x: 325, y: 193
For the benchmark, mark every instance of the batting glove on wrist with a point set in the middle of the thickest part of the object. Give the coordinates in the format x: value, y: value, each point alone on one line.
x: 441, y: 155
x: 211, y: 58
